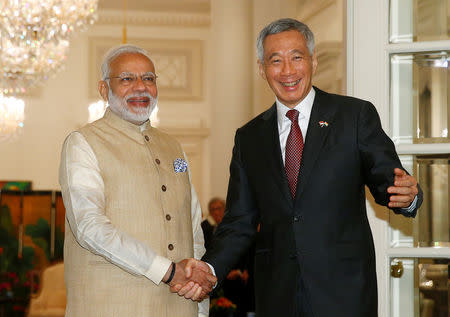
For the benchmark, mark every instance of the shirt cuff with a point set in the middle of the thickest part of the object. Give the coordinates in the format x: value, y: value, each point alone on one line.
x: 158, y: 269
x: 213, y: 272
x: 411, y: 207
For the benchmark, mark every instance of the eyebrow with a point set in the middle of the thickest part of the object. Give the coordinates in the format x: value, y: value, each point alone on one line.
x: 294, y: 51
x: 142, y: 74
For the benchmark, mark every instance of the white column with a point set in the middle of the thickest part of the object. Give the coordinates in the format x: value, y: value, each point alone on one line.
x: 231, y: 102
x: 366, y: 78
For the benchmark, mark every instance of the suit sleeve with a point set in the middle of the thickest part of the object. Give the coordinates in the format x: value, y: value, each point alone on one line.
x: 379, y: 158
x: 236, y: 232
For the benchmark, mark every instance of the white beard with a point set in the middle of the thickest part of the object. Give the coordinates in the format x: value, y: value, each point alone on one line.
x: 140, y: 115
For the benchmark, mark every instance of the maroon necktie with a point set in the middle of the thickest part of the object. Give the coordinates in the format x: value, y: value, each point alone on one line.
x: 294, y: 150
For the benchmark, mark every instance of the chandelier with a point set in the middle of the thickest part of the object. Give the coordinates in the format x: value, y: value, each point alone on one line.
x: 11, y: 117
x: 34, y: 38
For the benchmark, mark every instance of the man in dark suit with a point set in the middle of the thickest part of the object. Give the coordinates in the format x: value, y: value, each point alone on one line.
x: 216, y: 209
x: 299, y: 170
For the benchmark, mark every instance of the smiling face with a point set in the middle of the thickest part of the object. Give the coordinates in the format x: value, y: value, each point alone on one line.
x: 132, y: 100
x: 288, y: 66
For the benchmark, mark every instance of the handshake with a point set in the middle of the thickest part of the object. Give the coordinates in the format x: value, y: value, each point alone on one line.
x: 190, y: 278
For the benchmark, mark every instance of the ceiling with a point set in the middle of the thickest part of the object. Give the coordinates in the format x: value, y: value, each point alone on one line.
x: 157, y: 5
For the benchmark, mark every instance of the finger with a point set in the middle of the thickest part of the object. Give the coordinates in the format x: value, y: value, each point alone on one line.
x: 186, y: 288
x: 398, y: 205
x: 197, y: 295
x: 401, y: 198
x: 211, y: 278
x: 405, y: 182
x: 191, y: 263
x: 399, y: 172
x: 402, y: 190
x: 176, y: 288
x: 191, y: 292
x: 202, y: 296
x: 203, y: 266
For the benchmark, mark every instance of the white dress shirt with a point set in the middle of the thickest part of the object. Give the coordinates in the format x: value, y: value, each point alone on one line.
x: 284, y: 123
x: 86, y: 189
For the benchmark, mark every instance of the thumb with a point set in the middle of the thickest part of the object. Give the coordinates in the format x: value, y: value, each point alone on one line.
x: 399, y: 172
x: 189, y: 266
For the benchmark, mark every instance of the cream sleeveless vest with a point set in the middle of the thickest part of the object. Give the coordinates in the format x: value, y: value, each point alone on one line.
x: 146, y: 198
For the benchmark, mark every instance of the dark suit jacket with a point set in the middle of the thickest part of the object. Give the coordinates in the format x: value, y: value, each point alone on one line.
x: 208, y: 232
x: 323, y: 236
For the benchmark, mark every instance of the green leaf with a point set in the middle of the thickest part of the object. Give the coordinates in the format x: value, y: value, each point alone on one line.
x: 5, y: 219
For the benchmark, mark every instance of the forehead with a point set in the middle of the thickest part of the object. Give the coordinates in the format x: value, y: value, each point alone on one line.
x: 131, y: 63
x: 285, y: 42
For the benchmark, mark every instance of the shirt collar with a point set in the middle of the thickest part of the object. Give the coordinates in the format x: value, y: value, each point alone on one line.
x: 304, y: 107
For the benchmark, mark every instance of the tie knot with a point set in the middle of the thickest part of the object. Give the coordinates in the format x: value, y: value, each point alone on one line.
x: 292, y: 115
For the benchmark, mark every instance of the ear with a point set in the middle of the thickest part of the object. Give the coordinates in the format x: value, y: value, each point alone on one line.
x: 261, y: 69
x: 103, y: 89
x: 314, y: 62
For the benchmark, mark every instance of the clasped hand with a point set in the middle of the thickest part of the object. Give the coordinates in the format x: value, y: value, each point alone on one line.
x: 193, y: 279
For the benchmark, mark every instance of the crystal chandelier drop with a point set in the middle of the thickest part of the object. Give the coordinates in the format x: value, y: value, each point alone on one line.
x: 11, y: 117
x: 34, y: 38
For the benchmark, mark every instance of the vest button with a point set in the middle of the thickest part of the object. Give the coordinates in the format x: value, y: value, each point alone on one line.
x: 158, y: 161
x: 170, y: 247
x: 147, y: 138
x: 168, y: 217
x: 164, y: 188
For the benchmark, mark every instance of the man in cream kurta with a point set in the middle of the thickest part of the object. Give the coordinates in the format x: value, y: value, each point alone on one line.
x: 131, y: 211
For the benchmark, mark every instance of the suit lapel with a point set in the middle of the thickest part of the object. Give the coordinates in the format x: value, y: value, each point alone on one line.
x: 271, y: 144
x: 316, y: 135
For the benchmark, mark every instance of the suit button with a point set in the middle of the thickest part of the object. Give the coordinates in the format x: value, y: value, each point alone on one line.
x: 296, y: 218
x: 158, y: 161
x: 147, y: 138
x: 168, y: 217
x: 164, y: 188
x: 170, y: 247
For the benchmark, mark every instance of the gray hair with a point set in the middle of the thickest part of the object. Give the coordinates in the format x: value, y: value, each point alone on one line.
x: 115, y: 52
x: 283, y: 25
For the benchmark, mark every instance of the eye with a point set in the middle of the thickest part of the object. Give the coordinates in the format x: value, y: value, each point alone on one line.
x: 298, y: 57
x: 275, y: 61
x: 126, y: 79
x: 148, y: 79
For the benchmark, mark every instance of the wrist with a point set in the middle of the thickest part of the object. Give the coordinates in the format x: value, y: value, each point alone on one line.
x: 168, y: 277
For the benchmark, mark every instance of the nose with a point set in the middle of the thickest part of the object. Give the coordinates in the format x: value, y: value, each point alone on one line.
x: 287, y: 68
x: 139, y: 84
